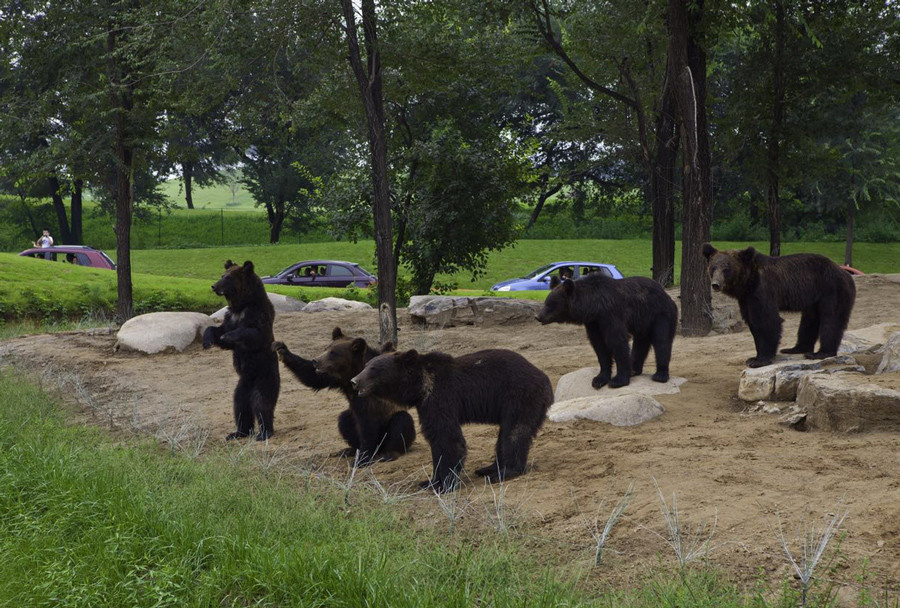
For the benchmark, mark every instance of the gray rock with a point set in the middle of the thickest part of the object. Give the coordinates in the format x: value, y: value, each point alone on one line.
x: 156, y: 332
x: 726, y: 315
x: 890, y: 360
x: 578, y: 384
x: 871, y: 338
x: 848, y: 402
x: 335, y: 304
x: 279, y: 302
x: 619, y: 410
x: 779, y: 381
x: 452, y: 311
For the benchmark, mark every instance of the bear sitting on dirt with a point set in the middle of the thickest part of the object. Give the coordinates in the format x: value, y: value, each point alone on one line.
x: 247, y: 331
x: 378, y: 429
x: 803, y: 282
x: 490, y: 386
x: 611, y: 309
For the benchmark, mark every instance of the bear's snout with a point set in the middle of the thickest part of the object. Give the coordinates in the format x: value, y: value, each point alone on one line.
x: 716, y: 286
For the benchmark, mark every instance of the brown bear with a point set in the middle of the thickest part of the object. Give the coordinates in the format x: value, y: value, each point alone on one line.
x: 490, y: 387
x: 611, y: 309
x: 377, y: 429
x: 247, y: 332
x: 808, y: 283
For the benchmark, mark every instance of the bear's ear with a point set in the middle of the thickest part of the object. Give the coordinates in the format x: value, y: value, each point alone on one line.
x: 248, y: 266
x: 336, y: 333
x: 409, y: 356
x: 229, y: 264
x: 358, y: 345
x: 388, y: 347
x: 568, y: 287
x: 747, y: 256
x: 708, y: 251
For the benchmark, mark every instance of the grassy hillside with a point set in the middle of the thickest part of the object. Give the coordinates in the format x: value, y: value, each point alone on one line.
x: 218, y: 196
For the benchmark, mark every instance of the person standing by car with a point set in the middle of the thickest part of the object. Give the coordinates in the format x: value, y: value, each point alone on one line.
x: 45, y: 242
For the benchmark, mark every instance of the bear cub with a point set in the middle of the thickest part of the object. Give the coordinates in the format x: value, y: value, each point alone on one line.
x: 490, y: 386
x: 247, y: 332
x: 808, y: 283
x: 611, y: 309
x: 378, y: 429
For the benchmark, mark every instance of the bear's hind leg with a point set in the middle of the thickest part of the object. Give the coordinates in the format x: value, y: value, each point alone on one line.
x: 513, y: 445
x: 604, y: 355
x: 807, y: 334
x: 831, y: 329
x: 639, y: 350
x: 243, y: 410
x: 265, y: 399
x: 448, y: 455
x: 617, y: 342
x: 663, y: 336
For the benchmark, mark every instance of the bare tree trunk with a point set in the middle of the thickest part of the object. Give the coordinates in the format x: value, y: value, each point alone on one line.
x: 688, y: 63
x: 662, y: 188
x: 368, y: 78
x: 121, y: 101
x: 275, y: 214
x: 848, y: 248
x: 187, y: 172
x: 76, y: 211
x: 772, y: 165
x: 542, y: 198
x: 65, y: 236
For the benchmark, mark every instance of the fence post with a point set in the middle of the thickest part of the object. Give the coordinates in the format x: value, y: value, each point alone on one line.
x: 159, y: 230
x: 222, y: 212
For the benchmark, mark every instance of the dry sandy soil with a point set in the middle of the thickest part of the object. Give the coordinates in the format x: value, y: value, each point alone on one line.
x: 720, y: 460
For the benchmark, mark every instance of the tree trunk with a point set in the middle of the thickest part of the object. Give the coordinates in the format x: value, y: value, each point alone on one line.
x: 773, y: 169
x: 368, y: 79
x: 848, y: 248
x: 688, y: 63
x: 76, y: 211
x: 276, y: 218
x: 187, y: 172
x: 545, y: 194
x: 662, y: 190
x: 59, y: 207
x: 120, y: 96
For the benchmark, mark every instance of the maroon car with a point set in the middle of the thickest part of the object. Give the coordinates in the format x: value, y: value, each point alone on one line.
x: 72, y: 254
x: 322, y: 273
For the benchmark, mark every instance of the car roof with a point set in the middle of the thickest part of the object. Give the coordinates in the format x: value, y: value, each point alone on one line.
x: 581, y: 263
x: 325, y: 262
x: 63, y: 248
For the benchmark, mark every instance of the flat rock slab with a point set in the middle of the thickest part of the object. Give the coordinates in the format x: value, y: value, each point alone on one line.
x: 452, y: 311
x: 848, y: 402
x: 578, y: 384
x: 332, y: 304
x: 279, y: 302
x: 779, y: 381
x: 890, y: 360
x: 157, y: 332
x: 620, y: 410
x: 867, y: 338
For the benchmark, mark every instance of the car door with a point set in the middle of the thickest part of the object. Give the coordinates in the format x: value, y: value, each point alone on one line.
x: 338, y: 275
x: 303, y: 275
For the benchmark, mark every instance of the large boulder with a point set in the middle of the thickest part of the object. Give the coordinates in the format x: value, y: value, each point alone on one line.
x: 848, y: 402
x: 157, y: 332
x: 871, y: 338
x: 334, y: 304
x: 620, y: 410
x: 890, y: 359
x: 451, y: 311
x: 779, y: 381
x: 279, y: 302
x: 578, y: 384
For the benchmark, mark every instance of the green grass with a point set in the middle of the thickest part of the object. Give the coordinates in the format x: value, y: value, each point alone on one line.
x: 89, y: 519
x: 218, y: 196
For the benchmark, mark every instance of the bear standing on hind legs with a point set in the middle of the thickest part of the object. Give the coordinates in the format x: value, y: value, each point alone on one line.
x: 380, y: 430
x: 611, y: 309
x: 247, y: 332
x: 803, y: 282
x: 490, y: 387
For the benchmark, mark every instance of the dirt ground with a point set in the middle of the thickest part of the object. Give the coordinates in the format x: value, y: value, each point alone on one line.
x: 742, y: 470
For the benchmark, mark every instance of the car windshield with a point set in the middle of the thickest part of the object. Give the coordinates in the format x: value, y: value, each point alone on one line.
x: 539, y: 271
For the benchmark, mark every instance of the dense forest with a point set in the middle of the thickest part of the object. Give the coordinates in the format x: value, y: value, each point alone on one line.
x: 448, y: 129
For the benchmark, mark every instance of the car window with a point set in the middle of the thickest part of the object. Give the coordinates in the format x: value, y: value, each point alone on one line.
x: 586, y: 270
x: 339, y: 271
x: 307, y: 271
x: 538, y: 272
x: 82, y: 259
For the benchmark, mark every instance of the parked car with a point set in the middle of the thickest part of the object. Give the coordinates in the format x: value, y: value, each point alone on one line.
x: 540, y: 278
x: 322, y: 273
x: 72, y: 254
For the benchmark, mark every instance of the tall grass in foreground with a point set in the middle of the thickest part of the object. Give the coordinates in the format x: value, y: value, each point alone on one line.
x: 90, y: 520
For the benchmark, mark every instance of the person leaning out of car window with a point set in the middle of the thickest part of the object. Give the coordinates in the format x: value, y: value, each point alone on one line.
x: 45, y: 242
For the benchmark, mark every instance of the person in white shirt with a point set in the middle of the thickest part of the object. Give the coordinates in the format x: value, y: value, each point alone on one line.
x: 45, y: 242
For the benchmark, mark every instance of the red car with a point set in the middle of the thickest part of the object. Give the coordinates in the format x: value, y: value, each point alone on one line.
x: 72, y: 254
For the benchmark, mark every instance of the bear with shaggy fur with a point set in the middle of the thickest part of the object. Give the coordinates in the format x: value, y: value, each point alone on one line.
x: 247, y: 332
x: 611, y: 309
x: 378, y: 429
x: 490, y: 387
x: 807, y: 283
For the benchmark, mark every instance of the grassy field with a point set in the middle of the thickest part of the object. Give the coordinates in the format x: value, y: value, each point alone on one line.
x: 219, y: 196
x: 88, y: 518
x: 633, y: 257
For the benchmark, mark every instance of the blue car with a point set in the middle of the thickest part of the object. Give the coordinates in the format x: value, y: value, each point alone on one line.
x: 540, y: 278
